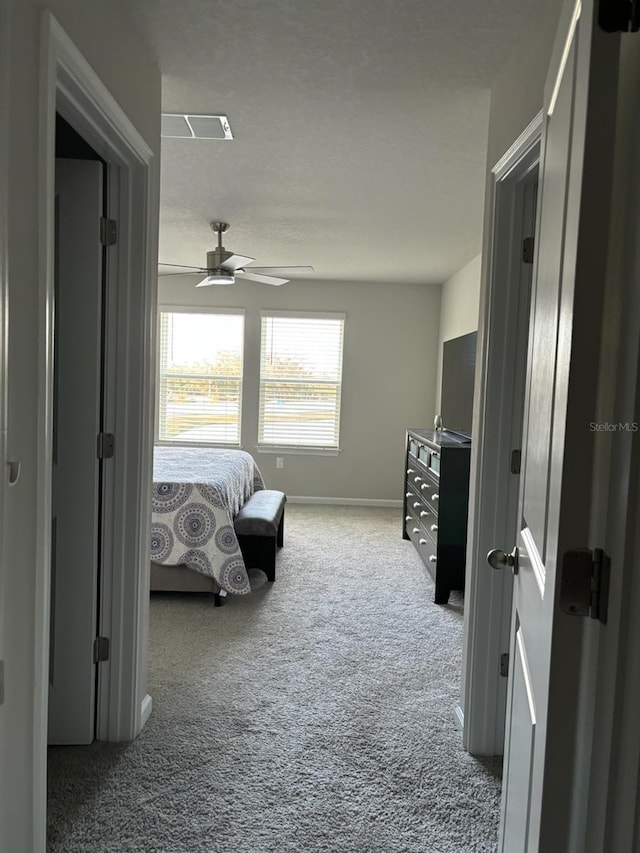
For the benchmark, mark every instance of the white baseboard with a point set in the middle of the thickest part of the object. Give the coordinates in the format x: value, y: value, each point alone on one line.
x: 459, y: 717
x: 306, y: 499
x: 145, y: 712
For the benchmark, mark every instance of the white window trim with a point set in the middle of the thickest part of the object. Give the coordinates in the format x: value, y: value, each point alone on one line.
x: 314, y: 315
x: 302, y: 450
x: 297, y: 450
x: 196, y: 309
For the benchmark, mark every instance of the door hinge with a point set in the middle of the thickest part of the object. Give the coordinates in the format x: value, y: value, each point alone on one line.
x: 619, y: 16
x: 504, y: 664
x: 516, y: 461
x: 106, y: 442
x: 108, y: 231
x: 585, y: 583
x: 528, y: 245
x: 101, y: 647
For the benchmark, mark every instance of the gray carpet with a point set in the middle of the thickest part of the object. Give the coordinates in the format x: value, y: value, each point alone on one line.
x: 316, y: 714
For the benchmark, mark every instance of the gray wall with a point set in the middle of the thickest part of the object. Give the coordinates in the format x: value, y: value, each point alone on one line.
x: 102, y: 33
x: 389, y: 374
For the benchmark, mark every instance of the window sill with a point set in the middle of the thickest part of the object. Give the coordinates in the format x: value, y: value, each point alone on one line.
x: 299, y: 451
x: 213, y: 444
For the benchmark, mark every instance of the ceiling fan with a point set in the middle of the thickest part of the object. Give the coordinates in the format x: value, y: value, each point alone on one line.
x: 223, y: 266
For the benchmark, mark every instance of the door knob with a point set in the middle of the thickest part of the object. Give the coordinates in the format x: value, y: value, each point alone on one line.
x: 497, y: 559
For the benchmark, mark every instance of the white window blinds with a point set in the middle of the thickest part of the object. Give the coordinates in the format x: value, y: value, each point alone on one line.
x: 300, y: 380
x: 200, y: 377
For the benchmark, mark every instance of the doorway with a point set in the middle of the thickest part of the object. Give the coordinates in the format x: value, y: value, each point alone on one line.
x: 80, y: 300
x: 500, y: 381
x: 73, y: 89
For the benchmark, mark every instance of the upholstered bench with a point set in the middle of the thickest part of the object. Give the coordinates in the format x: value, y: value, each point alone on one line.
x: 259, y: 527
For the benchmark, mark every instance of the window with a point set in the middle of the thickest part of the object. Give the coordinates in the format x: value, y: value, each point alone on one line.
x: 300, y: 380
x: 200, y: 377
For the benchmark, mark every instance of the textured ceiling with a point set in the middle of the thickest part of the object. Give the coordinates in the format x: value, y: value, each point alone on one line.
x: 360, y: 129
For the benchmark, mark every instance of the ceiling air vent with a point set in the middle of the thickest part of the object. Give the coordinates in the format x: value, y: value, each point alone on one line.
x: 177, y: 126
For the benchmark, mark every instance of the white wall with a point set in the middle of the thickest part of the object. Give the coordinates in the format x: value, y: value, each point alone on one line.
x: 516, y: 95
x: 459, y: 309
x: 390, y: 351
x: 101, y: 32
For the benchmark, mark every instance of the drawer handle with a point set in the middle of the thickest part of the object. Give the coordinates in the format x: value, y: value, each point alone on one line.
x: 435, y: 497
x: 423, y: 513
x: 407, y: 494
x: 433, y: 528
x: 407, y: 518
x: 417, y: 479
x: 410, y: 471
x: 433, y: 559
x: 422, y: 541
x: 416, y: 530
x: 424, y: 486
x: 416, y: 505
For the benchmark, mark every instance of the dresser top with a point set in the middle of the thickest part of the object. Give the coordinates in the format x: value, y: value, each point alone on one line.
x: 440, y: 438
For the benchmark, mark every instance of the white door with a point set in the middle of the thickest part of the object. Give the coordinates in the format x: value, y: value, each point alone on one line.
x: 556, y: 487
x: 76, y: 475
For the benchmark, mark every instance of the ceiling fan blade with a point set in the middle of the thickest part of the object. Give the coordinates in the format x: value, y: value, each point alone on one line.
x: 192, y: 272
x: 178, y: 269
x: 263, y: 279
x: 234, y: 262
x: 280, y: 270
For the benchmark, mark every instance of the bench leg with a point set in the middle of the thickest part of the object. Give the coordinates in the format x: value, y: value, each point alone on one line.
x: 269, y: 566
x: 259, y: 552
x: 280, y: 534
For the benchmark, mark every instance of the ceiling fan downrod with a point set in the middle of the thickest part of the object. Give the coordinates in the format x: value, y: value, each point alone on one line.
x: 219, y: 255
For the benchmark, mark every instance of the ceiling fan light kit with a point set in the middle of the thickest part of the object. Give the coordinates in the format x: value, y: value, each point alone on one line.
x: 223, y: 266
x: 217, y: 278
x: 179, y: 126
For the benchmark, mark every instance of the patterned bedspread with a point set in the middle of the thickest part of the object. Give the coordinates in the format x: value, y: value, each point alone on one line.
x: 197, y: 492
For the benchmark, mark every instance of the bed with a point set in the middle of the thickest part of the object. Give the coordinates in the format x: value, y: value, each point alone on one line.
x: 197, y: 492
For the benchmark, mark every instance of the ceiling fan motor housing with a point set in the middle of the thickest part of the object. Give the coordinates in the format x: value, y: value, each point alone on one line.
x: 217, y: 258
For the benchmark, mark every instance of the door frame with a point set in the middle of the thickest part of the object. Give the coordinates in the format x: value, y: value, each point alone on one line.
x: 69, y: 85
x: 4, y: 327
x: 497, y: 429
x: 614, y: 737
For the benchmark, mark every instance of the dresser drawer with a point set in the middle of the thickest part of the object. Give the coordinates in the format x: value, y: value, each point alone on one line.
x: 431, y: 497
x: 429, y: 522
x: 419, y: 502
x: 418, y: 477
x: 419, y: 520
x: 432, y: 479
x: 426, y: 494
x: 424, y: 545
x: 414, y: 501
x: 421, y: 488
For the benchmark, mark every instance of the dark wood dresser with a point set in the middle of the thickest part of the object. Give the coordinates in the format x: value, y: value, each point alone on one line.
x: 436, y: 501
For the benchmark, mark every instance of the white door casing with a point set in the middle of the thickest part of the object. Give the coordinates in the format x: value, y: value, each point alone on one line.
x: 544, y: 703
x: 4, y: 482
x: 76, y: 423
x: 498, y: 415
x: 70, y: 86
